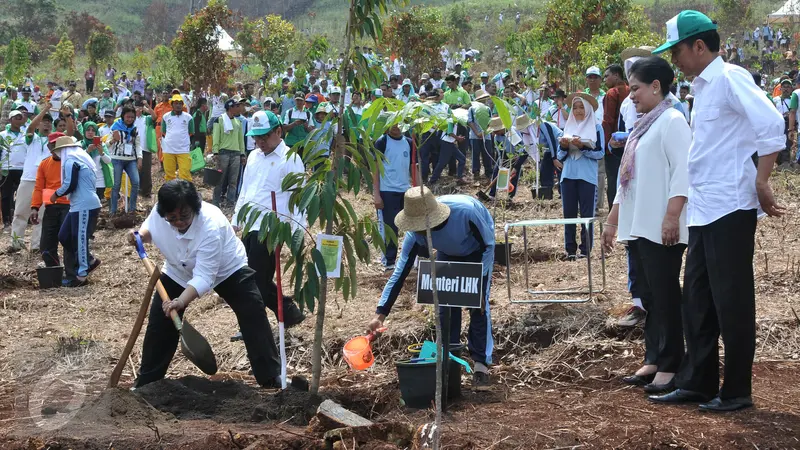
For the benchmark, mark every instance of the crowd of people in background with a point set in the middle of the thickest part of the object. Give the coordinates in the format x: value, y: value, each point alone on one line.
x: 647, y: 139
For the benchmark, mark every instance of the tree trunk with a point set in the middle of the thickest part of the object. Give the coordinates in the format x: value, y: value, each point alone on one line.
x: 316, y: 353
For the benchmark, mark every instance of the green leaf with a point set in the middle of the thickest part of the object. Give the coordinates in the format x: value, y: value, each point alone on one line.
x: 350, y: 210
x: 313, y: 278
x: 328, y: 199
x: 313, y: 210
x: 316, y: 256
x: 342, y: 214
x: 503, y: 111
x: 263, y: 230
x: 309, y: 297
x: 286, y: 233
x: 298, y: 237
x: 345, y: 287
x: 298, y: 277
x: 308, y: 193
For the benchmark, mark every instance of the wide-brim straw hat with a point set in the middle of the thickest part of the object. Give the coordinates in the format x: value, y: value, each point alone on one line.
x: 420, y: 210
x: 495, y: 124
x: 480, y: 94
x: 592, y: 101
x: 65, y: 141
x: 642, y: 52
x: 523, y: 122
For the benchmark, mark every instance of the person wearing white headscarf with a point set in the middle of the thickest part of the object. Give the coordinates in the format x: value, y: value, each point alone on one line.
x: 78, y: 182
x: 580, y: 148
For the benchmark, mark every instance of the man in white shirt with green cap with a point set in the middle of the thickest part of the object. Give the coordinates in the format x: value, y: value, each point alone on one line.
x: 732, y: 119
x: 264, y: 172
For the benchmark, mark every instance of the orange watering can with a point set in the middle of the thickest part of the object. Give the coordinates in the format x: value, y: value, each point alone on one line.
x: 358, y: 351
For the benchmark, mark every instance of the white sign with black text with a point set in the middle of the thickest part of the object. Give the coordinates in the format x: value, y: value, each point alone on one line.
x: 458, y: 284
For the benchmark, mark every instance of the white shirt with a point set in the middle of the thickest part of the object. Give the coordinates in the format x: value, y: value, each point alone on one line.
x: 14, y: 157
x: 176, y: 140
x: 731, y: 120
x: 203, y: 257
x: 437, y: 84
x: 37, y: 151
x: 782, y: 104
x: 264, y: 174
x: 660, y: 174
x: 141, y: 130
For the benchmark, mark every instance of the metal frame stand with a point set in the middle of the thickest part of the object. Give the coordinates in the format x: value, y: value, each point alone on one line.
x: 587, y: 222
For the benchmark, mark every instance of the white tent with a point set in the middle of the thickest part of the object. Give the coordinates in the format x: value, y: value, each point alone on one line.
x: 226, y: 42
x: 789, y: 12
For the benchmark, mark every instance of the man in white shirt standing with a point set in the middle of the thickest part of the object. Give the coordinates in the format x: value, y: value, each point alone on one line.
x: 201, y: 253
x: 264, y: 172
x: 176, y: 130
x: 725, y: 193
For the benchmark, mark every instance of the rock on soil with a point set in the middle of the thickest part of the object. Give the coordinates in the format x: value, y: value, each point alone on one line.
x: 232, y: 401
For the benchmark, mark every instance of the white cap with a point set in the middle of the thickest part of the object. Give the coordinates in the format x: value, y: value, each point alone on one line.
x: 335, y: 90
x: 594, y: 70
x: 484, y: 74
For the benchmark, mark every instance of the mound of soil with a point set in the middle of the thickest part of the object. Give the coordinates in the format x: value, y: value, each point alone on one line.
x: 231, y: 401
x: 122, y: 409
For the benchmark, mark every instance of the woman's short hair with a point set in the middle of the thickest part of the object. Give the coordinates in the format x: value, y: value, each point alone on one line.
x: 175, y: 194
x: 126, y: 110
x: 653, y: 68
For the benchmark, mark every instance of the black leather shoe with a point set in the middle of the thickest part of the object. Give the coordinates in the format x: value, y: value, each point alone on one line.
x: 680, y: 396
x: 727, y: 405
x: 292, y: 315
x: 651, y: 388
x: 639, y: 380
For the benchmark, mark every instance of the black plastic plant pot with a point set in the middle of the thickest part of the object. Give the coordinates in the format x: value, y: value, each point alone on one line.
x: 500, y: 252
x: 212, y: 177
x: 49, y: 277
x: 418, y: 382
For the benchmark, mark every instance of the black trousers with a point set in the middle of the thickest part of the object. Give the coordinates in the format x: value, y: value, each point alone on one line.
x: 89, y: 86
x: 658, y: 271
x: 719, y: 298
x: 263, y: 263
x: 240, y: 292
x: 52, y: 218
x: 146, y: 175
x: 8, y: 187
x: 612, y: 162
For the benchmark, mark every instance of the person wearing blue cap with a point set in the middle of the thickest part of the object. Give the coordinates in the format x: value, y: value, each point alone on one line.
x: 732, y: 119
x: 264, y: 172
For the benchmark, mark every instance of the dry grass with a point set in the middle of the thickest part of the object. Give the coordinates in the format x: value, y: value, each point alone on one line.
x: 80, y: 332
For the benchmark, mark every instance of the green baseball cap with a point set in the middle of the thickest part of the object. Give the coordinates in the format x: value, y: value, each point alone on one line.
x: 686, y: 24
x: 262, y: 123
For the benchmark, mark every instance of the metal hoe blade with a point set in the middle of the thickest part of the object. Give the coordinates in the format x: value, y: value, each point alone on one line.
x: 197, y: 349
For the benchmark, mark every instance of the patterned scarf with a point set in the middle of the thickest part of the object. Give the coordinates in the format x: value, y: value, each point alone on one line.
x: 628, y: 165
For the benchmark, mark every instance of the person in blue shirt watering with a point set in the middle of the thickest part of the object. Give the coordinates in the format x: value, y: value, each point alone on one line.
x: 580, y: 148
x: 389, y: 187
x: 462, y: 230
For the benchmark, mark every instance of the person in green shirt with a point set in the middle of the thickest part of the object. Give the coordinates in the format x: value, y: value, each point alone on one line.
x: 199, y: 116
x: 298, y: 122
x: 106, y: 102
x: 455, y: 96
x: 228, y: 149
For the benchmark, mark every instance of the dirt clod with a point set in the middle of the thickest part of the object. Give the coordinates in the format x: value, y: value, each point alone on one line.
x: 122, y: 408
x: 193, y: 397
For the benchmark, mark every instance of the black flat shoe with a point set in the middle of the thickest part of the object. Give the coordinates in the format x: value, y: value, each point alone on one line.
x: 679, y: 396
x: 639, y: 380
x: 728, y: 405
x: 660, y: 388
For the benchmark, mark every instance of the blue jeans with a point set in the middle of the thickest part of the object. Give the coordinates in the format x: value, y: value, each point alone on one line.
x: 482, y: 148
x: 133, y: 175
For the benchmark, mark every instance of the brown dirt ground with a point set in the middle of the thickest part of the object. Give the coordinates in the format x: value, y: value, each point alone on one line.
x: 556, y: 371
